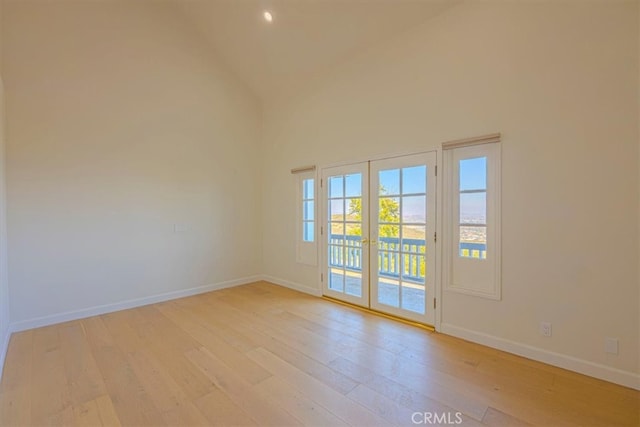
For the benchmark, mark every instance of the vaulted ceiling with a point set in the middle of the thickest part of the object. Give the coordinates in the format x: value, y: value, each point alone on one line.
x: 306, y: 38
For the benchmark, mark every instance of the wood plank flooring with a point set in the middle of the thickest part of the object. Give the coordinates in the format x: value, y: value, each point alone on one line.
x: 264, y: 355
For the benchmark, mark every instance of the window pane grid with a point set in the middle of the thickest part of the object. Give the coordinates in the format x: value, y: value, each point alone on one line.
x: 401, y: 259
x: 472, y: 215
x: 345, y: 229
x: 472, y: 195
x: 308, y: 210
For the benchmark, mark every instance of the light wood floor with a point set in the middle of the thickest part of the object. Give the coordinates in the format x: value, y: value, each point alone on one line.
x: 262, y: 354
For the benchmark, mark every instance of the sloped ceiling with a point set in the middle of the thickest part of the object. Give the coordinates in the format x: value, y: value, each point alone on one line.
x: 306, y: 37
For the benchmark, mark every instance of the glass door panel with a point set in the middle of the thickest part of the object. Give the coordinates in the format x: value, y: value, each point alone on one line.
x: 378, y: 235
x: 346, y: 261
x: 402, y: 254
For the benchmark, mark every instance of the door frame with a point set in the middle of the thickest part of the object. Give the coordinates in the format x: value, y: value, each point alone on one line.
x: 398, y: 162
x: 437, y: 149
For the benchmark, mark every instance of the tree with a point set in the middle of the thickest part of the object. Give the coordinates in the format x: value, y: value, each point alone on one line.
x: 389, y: 213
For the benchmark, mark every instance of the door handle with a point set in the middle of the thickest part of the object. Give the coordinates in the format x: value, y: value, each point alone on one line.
x: 364, y: 241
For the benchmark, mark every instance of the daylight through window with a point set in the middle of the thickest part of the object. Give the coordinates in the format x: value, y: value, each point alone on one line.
x: 472, y: 216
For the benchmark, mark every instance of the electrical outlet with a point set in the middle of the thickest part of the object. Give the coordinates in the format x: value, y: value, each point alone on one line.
x: 545, y: 329
x: 611, y: 345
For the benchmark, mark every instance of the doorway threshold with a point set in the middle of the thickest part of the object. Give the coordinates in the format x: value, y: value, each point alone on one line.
x: 424, y: 326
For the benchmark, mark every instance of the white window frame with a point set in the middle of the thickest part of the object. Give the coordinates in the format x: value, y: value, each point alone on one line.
x: 306, y: 252
x: 478, y: 277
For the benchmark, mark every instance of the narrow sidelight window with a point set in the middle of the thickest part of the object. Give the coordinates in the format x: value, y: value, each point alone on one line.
x: 308, y: 210
x: 472, y: 197
x: 306, y: 231
x: 471, y: 244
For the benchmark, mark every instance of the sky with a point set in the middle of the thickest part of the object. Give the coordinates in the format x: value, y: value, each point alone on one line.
x: 473, y: 174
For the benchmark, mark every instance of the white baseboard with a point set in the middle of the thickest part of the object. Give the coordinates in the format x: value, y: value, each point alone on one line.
x: 607, y: 373
x: 138, y: 302
x: 596, y: 370
x: 291, y: 285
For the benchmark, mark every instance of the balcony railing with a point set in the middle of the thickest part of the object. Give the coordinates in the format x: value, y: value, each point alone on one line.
x: 473, y: 250
x: 394, y: 258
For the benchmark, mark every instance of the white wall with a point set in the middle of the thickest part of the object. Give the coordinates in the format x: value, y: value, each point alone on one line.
x: 4, y: 283
x: 4, y: 280
x: 560, y: 81
x: 638, y: 70
x: 120, y: 125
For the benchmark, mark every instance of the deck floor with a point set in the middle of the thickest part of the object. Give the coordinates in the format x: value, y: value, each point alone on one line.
x: 393, y: 293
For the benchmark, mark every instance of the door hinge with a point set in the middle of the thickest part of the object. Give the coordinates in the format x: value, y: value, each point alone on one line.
x: 436, y: 170
x: 435, y: 236
x: 320, y: 183
x: 322, y: 277
x: 434, y: 303
x: 321, y: 230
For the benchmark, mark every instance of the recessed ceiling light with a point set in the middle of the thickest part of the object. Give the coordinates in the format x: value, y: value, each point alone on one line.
x: 267, y: 16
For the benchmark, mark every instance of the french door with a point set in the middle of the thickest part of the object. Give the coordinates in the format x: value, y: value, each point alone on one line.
x: 378, y: 233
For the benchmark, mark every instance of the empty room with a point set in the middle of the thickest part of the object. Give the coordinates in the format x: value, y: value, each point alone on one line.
x: 319, y: 212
